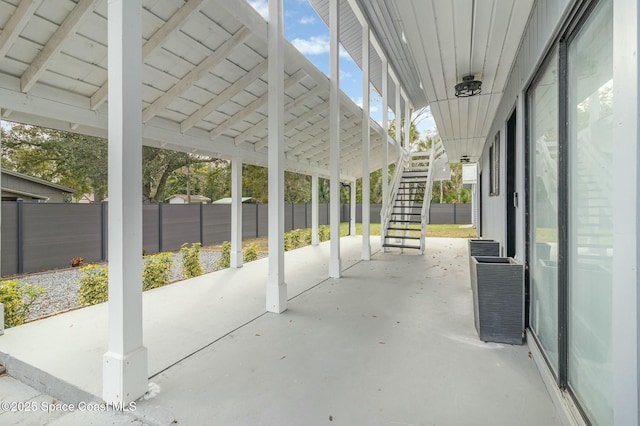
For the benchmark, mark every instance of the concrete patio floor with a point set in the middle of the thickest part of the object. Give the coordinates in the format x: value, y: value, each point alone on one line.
x: 392, y: 342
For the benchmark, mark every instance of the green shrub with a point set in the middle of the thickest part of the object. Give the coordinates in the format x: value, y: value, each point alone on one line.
x: 94, y: 285
x: 225, y: 259
x: 297, y: 238
x: 250, y: 253
x: 306, y: 236
x: 157, y: 271
x: 288, y: 241
x: 191, y: 266
x: 17, y: 298
x: 324, y: 233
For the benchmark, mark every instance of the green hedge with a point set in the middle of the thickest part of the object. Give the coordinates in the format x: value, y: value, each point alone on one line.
x: 17, y: 298
x: 191, y: 265
x: 94, y: 283
x: 157, y: 271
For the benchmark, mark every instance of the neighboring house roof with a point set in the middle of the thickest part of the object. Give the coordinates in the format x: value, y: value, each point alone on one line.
x: 228, y: 200
x: 194, y: 198
x: 6, y: 190
x: 36, y: 180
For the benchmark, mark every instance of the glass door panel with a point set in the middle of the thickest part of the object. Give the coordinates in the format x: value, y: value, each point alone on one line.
x: 590, y: 227
x: 543, y: 262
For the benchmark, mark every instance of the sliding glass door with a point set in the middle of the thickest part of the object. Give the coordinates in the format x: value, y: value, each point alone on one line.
x: 590, y: 236
x: 570, y: 222
x: 543, y: 264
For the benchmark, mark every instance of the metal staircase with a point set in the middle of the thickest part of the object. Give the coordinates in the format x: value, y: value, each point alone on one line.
x: 406, y: 212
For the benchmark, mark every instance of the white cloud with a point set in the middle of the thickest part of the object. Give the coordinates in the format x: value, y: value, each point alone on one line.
x: 305, y: 20
x: 345, y: 75
x: 316, y: 45
x: 262, y: 6
x: 372, y: 108
x: 344, y: 54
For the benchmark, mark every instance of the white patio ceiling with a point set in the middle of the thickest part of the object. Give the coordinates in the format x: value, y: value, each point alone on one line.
x: 204, y: 81
x: 432, y: 44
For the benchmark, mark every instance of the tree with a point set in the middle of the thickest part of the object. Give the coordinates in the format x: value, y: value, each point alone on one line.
x: 80, y: 162
x: 65, y: 158
x: 160, y: 164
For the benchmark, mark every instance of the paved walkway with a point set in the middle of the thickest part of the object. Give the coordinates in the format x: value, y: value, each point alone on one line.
x: 392, y: 342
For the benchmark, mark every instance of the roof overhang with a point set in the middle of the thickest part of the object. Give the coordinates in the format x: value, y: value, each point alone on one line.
x: 431, y: 45
x: 204, y: 81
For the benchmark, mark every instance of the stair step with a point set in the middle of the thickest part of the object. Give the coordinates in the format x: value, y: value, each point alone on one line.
x: 402, y: 237
x: 406, y: 214
x: 402, y: 229
x: 405, y: 221
x: 401, y: 246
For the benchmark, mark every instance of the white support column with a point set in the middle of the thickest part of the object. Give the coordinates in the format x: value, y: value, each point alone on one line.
x: 626, y: 223
x: 125, y: 365
x: 276, y: 287
x: 315, y: 239
x: 408, y: 112
x: 366, y: 146
x: 335, y: 267
x: 1, y: 213
x: 352, y: 206
x: 385, y: 133
x: 236, y: 213
x: 398, y: 122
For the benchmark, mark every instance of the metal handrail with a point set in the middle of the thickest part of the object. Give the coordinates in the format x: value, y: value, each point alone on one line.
x: 436, y: 152
x: 385, y: 213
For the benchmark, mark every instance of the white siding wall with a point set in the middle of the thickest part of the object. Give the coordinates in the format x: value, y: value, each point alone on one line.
x: 545, y: 19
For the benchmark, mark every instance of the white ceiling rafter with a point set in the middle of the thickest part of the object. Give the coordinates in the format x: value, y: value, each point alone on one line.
x: 196, y: 74
x: 16, y: 24
x: 224, y: 96
x: 225, y: 106
x: 157, y: 39
x: 54, y: 45
x: 253, y: 106
x: 288, y: 126
x: 321, y: 124
x: 352, y: 148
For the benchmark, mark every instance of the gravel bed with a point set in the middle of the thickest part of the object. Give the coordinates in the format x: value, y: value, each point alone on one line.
x: 61, y: 286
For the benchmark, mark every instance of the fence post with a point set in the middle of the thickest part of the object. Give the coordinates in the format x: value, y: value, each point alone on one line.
x: 327, y: 214
x: 20, y: 206
x: 455, y: 218
x: 293, y: 216
x: 257, y: 220
x: 201, y: 224
x: 103, y: 230
x: 306, y: 221
x: 160, y: 227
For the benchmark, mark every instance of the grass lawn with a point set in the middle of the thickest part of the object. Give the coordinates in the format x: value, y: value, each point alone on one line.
x: 442, y: 231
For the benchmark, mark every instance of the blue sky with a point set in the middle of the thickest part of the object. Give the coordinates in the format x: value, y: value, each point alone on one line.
x: 308, y: 33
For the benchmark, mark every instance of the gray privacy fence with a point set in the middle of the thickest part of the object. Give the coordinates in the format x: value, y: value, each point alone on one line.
x: 42, y: 236
x: 450, y: 214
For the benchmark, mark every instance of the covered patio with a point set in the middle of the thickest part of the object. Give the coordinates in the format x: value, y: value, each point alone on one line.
x: 391, y: 342
x: 363, y: 336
